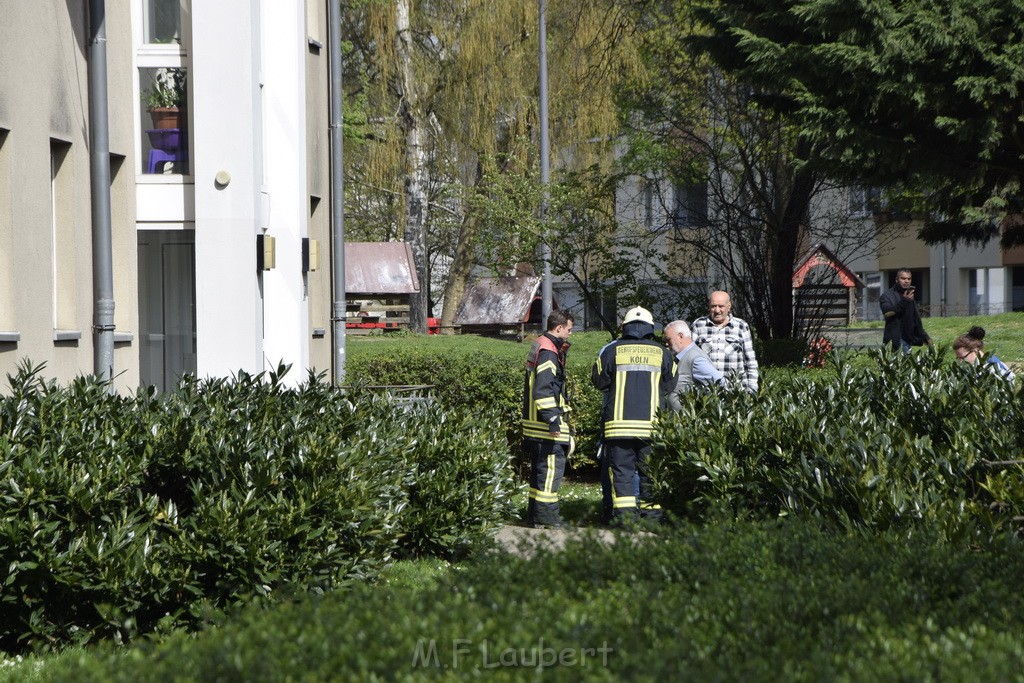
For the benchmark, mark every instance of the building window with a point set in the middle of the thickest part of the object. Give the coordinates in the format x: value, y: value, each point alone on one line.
x: 161, y: 22
x: 648, y: 204
x: 165, y: 120
x: 6, y: 238
x: 872, y: 292
x: 162, y: 61
x: 62, y: 234
x: 1017, y: 288
x: 865, y: 202
x: 690, y: 209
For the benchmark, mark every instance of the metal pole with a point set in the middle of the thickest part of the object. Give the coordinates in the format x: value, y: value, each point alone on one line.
x: 337, y: 194
x: 545, y: 168
x: 99, y: 148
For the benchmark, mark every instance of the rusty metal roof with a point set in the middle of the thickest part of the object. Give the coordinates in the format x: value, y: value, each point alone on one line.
x: 379, y: 268
x: 498, y: 301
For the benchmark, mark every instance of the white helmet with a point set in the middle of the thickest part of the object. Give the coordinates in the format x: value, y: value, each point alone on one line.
x: 638, y: 314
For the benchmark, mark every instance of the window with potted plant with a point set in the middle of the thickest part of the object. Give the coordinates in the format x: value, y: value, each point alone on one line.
x: 166, y: 102
x: 166, y: 97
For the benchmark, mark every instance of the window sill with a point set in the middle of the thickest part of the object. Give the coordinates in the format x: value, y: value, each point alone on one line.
x: 164, y: 179
x: 66, y: 335
x: 10, y: 337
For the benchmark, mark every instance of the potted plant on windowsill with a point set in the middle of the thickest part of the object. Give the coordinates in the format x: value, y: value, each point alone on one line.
x: 164, y: 100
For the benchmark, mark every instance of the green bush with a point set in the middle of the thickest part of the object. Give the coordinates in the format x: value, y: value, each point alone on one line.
x: 780, y: 352
x: 123, y: 515
x: 739, y: 602
x: 479, y: 381
x: 910, y: 438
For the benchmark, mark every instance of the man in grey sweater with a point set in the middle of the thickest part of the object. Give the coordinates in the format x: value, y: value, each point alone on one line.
x: 694, y: 366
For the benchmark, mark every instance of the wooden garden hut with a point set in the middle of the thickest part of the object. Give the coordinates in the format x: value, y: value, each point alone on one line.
x: 497, y: 305
x: 379, y: 277
x: 824, y: 290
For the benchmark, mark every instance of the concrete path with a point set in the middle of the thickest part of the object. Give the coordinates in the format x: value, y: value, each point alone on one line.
x: 854, y: 338
x: 523, y: 541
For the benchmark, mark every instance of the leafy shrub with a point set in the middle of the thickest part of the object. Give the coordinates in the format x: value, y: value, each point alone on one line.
x: 780, y: 352
x: 909, y: 439
x: 741, y: 601
x: 121, y: 515
x: 480, y: 382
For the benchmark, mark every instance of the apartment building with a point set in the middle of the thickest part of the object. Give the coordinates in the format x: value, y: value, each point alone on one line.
x: 869, y: 239
x: 219, y: 217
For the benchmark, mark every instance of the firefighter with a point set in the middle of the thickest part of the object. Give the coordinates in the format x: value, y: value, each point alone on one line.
x: 546, y: 437
x: 637, y: 374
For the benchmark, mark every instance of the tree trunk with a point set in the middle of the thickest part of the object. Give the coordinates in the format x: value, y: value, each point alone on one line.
x: 794, y: 221
x: 416, y: 172
x: 458, y: 274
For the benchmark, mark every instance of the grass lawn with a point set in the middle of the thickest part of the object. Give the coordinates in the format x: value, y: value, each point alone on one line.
x: 1004, y: 337
x: 1004, y: 333
x: 582, y: 354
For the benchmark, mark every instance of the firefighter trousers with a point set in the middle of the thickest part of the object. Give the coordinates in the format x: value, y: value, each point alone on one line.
x: 626, y: 461
x: 547, y: 465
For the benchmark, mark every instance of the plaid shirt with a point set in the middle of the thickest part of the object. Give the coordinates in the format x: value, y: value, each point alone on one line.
x: 730, y: 347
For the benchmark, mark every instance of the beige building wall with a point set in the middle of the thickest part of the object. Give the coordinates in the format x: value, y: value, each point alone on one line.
x: 905, y: 250
x: 318, y: 281
x: 46, y: 291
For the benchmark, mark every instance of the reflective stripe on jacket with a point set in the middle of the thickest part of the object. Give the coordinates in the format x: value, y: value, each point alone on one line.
x: 544, y: 398
x: 637, y: 375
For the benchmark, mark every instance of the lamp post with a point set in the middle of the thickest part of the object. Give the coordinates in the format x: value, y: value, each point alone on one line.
x: 545, y: 167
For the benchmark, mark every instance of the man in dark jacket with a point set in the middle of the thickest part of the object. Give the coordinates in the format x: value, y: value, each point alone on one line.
x: 903, y: 327
x: 546, y: 438
x: 636, y: 374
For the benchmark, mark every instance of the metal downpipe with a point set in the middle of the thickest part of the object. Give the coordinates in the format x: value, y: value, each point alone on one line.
x: 99, y: 156
x: 337, y: 195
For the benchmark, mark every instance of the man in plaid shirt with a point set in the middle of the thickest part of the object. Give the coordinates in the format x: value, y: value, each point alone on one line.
x: 727, y: 341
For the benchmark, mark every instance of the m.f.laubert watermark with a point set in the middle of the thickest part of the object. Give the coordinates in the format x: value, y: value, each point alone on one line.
x: 468, y: 654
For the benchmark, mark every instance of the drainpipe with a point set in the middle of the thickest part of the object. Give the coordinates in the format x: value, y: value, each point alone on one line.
x: 99, y: 147
x: 337, y: 193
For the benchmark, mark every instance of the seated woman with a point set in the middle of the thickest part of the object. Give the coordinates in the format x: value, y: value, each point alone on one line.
x: 970, y: 348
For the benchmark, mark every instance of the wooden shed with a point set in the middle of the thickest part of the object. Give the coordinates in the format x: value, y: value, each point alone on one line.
x: 379, y: 277
x: 824, y: 290
x: 497, y: 305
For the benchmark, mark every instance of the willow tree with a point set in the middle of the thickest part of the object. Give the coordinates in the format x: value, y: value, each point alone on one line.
x: 450, y: 91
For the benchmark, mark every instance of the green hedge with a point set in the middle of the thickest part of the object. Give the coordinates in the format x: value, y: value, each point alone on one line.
x: 124, y: 515
x: 909, y: 438
x: 479, y: 381
x: 739, y: 602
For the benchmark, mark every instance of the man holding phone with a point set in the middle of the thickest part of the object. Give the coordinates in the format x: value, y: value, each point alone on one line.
x: 903, y: 327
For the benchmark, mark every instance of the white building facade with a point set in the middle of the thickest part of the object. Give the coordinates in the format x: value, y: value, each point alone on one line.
x: 244, y: 168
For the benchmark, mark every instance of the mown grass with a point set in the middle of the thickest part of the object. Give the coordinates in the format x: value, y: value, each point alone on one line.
x: 1004, y: 337
x: 1004, y: 333
x: 582, y: 354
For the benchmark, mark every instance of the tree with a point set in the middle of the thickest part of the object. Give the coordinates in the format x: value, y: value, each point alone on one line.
x: 921, y: 95
x: 710, y: 137
x: 606, y: 261
x: 462, y: 88
x: 457, y: 90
